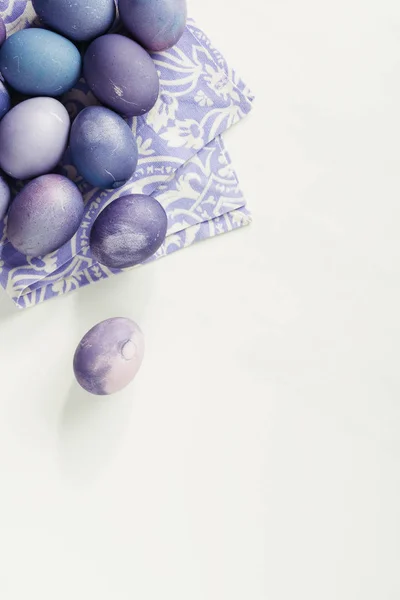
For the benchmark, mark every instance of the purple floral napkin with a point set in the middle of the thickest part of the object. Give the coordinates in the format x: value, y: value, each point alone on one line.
x: 182, y: 162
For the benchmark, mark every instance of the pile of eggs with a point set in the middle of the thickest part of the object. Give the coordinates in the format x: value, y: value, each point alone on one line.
x: 41, y: 64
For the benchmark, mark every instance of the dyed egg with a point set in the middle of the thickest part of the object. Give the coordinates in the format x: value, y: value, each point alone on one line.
x: 103, y: 147
x: 3, y: 32
x: 5, y: 100
x: 79, y: 21
x: 155, y: 24
x: 33, y: 137
x: 38, y: 62
x: 5, y: 197
x: 109, y: 356
x: 128, y: 231
x: 121, y: 75
x: 44, y: 215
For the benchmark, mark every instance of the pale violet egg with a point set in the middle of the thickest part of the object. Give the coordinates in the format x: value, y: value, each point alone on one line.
x: 109, y: 356
x: 33, y: 137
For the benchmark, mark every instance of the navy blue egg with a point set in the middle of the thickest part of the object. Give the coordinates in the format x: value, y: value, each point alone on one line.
x: 5, y: 100
x: 38, y: 62
x: 79, y: 21
x: 103, y: 148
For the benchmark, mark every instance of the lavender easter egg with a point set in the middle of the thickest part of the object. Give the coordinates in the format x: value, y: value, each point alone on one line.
x: 103, y: 147
x: 155, y: 24
x: 33, y: 137
x: 3, y: 32
x: 79, y: 21
x: 128, y: 231
x: 109, y: 356
x: 44, y: 215
x: 5, y: 100
x: 121, y: 75
x: 5, y: 197
x: 38, y: 62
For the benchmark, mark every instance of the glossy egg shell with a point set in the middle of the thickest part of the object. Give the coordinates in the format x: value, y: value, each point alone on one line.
x: 44, y: 215
x: 79, y: 21
x: 155, y: 24
x: 5, y: 100
x: 5, y: 197
x: 33, y: 137
x: 103, y: 147
x: 128, y: 231
x: 38, y: 62
x: 109, y: 356
x: 121, y: 75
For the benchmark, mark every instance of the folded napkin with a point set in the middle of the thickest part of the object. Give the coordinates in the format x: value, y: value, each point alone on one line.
x: 182, y: 162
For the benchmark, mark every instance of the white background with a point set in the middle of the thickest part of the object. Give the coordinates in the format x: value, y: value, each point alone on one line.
x: 257, y: 454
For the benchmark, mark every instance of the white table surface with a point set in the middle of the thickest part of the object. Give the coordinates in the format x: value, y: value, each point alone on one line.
x: 257, y: 455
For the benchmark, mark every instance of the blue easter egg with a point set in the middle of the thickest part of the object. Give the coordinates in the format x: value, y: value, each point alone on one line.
x: 38, y: 62
x: 79, y: 21
x: 103, y: 148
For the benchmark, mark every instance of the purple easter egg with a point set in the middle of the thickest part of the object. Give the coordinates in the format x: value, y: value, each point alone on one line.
x: 155, y: 24
x: 33, y: 137
x: 5, y: 196
x: 3, y: 32
x: 79, y: 21
x: 103, y: 147
x: 128, y: 231
x: 44, y: 215
x: 109, y: 356
x: 121, y: 75
x: 5, y: 100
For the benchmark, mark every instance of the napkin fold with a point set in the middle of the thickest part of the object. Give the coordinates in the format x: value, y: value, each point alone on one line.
x: 182, y: 162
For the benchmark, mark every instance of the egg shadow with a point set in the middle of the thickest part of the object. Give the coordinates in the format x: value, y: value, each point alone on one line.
x: 90, y: 430
x: 91, y: 427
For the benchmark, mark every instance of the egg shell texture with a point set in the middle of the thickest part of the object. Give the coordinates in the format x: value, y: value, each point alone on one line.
x: 44, y: 215
x: 121, y: 75
x: 33, y: 137
x: 5, y: 100
x: 5, y: 197
x: 38, y: 62
x: 128, y: 231
x: 103, y: 147
x: 79, y: 20
x: 109, y: 356
x: 155, y: 24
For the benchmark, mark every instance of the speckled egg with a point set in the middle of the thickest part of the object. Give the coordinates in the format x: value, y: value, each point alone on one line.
x: 109, y: 356
x: 103, y: 147
x: 3, y: 32
x: 38, y: 62
x: 155, y: 24
x: 44, y: 215
x: 78, y: 20
x: 33, y: 137
x: 5, y: 197
x: 121, y: 75
x: 5, y: 100
x: 128, y: 231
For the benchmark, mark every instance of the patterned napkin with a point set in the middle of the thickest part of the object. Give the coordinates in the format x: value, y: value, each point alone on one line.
x: 182, y: 162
